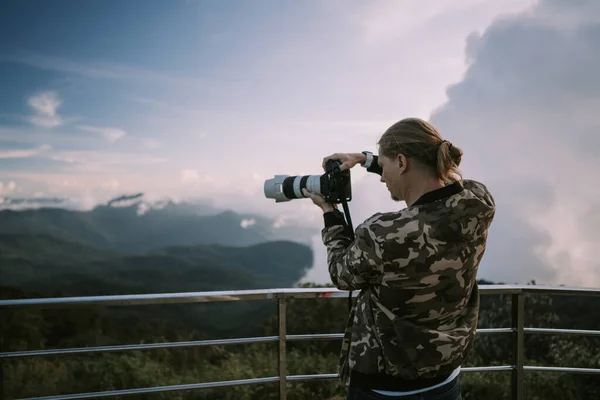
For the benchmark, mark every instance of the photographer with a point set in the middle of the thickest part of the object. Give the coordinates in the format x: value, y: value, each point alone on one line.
x: 413, y: 322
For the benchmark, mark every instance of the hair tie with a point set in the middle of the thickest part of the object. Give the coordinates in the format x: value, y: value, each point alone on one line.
x: 445, y: 141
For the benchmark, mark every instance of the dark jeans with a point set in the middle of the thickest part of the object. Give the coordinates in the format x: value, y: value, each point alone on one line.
x: 450, y: 391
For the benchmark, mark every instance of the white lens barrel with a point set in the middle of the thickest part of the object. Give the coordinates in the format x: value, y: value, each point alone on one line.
x: 313, y: 184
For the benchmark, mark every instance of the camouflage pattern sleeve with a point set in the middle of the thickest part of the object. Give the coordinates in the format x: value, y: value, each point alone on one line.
x: 353, y: 264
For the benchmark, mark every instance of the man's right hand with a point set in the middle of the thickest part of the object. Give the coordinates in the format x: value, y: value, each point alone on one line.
x: 348, y: 160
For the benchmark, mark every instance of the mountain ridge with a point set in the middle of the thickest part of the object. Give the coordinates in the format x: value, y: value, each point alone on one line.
x: 125, y: 229
x: 44, y: 263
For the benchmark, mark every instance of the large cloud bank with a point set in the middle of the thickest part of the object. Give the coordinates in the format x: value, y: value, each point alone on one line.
x: 526, y: 115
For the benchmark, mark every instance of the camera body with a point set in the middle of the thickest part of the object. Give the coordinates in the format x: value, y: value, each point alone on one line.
x: 334, y: 185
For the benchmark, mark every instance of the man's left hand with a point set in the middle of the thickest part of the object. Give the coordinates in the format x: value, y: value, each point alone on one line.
x: 319, y: 201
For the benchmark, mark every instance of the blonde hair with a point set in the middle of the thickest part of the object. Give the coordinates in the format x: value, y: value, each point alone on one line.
x: 419, y: 140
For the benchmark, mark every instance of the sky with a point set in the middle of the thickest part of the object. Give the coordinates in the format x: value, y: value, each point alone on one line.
x: 205, y: 100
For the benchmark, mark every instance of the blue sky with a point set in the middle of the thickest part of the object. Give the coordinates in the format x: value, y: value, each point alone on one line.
x: 148, y: 83
x: 207, y: 99
x: 203, y: 98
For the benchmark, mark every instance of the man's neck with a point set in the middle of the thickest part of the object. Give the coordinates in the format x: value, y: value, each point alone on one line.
x: 424, y: 186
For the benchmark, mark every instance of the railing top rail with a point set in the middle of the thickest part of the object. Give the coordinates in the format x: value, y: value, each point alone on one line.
x: 260, y: 294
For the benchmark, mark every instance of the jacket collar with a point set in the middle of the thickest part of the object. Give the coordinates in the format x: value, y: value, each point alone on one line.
x: 439, y: 194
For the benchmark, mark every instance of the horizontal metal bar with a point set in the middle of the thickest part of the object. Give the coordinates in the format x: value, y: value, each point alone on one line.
x: 196, y: 343
x: 578, y: 332
x: 538, y: 290
x: 145, y: 299
x: 532, y: 368
x: 312, y: 377
x: 495, y: 368
x: 563, y: 369
x: 495, y: 330
x: 178, y: 298
x: 259, y: 294
x: 318, y: 336
x: 158, y: 389
x: 147, y: 346
x: 250, y: 340
x: 559, y: 291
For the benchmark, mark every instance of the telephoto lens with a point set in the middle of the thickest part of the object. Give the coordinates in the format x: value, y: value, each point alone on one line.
x: 334, y: 185
x: 286, y: 187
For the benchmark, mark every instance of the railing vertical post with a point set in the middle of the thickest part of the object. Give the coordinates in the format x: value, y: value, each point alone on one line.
x: 281, y: 302
x: 518, y: 324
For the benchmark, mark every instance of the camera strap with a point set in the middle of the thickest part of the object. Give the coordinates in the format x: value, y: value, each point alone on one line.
x: 351, y: 234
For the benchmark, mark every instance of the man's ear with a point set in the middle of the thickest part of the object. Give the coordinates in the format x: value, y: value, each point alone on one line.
x: 402, y: 162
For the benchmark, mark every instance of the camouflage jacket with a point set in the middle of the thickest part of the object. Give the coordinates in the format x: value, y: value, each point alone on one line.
x: 414, y: 320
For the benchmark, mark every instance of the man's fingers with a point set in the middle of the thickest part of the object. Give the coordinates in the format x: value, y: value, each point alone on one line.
x: 336, y: 156
x: 310, y: 194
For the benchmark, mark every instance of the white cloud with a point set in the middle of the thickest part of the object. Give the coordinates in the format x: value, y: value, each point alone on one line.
x: 525, y: 115
x: 45, y: 105
x: 245, y: 223
x: 279, y: 222
x: 23, y: 153
x: 110, y: 134
x: 7, y: 188
x: 189, y: 176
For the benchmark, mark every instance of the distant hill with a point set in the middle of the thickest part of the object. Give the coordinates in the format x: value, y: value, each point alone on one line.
x: 128, y: 224
x: 132, y: 246
x: 44, y: 266
x: 49, y: 265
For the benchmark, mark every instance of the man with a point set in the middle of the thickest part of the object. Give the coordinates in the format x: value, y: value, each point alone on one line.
x: 414, y: 320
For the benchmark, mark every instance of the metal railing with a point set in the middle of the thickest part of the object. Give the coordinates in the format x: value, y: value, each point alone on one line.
x: 517, y: 328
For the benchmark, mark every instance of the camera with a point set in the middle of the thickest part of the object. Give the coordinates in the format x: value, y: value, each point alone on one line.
x: 334, y: 185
